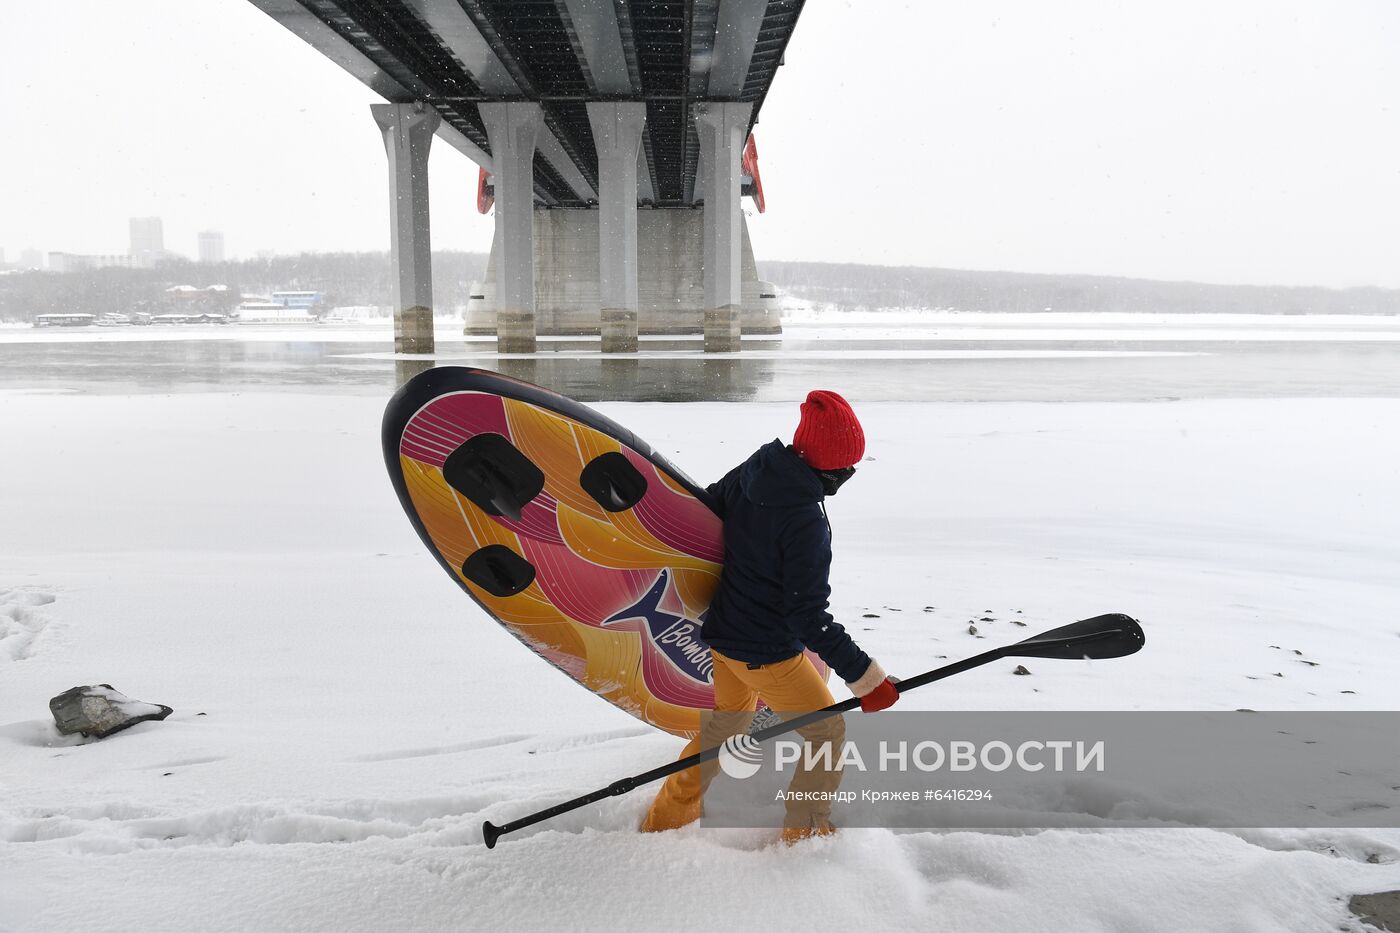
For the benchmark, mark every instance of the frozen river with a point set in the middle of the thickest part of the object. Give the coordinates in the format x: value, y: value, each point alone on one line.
x: 928, y: 357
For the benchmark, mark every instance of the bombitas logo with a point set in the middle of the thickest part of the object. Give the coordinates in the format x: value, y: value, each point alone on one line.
x: 676, y: 637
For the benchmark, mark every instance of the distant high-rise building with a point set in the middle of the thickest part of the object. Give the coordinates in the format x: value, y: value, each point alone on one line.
x: 31, y: 259
x: 147, y: 240
x: 211, y: 246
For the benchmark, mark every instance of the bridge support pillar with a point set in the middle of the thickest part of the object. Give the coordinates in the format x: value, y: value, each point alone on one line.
x: 513, y: 130
x: 617, y: 133
x: 408, y: 132
x: 723, y: 127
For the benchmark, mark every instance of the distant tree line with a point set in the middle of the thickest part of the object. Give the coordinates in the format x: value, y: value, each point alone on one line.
x: 860, y: 287
x: 343, y: 279
x: 364, y: 279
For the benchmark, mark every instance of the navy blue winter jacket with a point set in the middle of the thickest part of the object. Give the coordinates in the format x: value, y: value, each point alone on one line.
x: 772, y: 596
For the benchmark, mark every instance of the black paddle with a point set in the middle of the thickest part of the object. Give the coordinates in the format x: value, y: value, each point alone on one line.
x: 1108, y: 636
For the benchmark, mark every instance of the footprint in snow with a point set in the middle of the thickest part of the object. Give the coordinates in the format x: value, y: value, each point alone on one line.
x: 90, y: 828
x: 22, y: 621
x: 591, y: 738
x: 429, y: 751
x: 185, y: 763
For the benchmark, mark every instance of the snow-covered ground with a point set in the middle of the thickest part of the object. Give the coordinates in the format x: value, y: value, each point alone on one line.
x: 345, y: 718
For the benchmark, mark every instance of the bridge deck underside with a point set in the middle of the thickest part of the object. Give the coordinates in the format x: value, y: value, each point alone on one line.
x: 537, y: 52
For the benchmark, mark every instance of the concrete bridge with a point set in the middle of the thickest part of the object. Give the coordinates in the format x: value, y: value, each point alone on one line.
x: 614, y: 140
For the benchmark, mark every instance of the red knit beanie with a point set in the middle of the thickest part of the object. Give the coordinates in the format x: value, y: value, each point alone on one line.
x: 828, y: 436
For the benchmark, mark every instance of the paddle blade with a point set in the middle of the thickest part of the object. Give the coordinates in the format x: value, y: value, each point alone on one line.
x: 1108, y: 636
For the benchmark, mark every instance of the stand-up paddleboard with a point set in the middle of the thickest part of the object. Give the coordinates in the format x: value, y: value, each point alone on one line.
x: 588, y: 546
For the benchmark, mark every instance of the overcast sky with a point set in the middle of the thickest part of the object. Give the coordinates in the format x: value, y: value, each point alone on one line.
x: 1249, y: 141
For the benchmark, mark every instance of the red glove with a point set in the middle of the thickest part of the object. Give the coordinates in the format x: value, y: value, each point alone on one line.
x: 882, y: 697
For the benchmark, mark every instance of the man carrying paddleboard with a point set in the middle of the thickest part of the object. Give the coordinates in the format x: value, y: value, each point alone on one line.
x: 771, y: 604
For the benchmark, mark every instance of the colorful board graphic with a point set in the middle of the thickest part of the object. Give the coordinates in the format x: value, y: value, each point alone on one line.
x: 572, y: 533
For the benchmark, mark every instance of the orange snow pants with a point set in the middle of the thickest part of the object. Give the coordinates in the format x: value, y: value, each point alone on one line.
x: 790, y: 688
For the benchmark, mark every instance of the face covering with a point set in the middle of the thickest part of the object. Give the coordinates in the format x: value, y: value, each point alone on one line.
x: 832, y: 480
